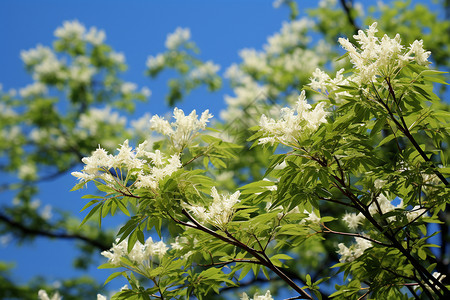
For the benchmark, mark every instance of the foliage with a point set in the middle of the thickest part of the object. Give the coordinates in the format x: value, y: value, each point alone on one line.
x: 338, y: 197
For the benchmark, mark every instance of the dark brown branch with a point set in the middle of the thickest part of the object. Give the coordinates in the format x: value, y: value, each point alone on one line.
x: 9, y: 186
x: 60, y: 235
x: 346, y: 5
x: 259, y: 255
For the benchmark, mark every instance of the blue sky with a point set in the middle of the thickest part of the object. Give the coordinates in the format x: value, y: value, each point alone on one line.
x: 137, y: 28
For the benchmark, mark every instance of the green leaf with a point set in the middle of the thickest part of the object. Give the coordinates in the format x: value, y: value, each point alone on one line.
x: 247, y: 268
x: 281, y: 256
x: 89, y: 204
x: 78, y: 186
x: 91, y: 213
x: 386, y: 140
x: 132, y: 240
x: 140, y: 237
x: 112, y: 276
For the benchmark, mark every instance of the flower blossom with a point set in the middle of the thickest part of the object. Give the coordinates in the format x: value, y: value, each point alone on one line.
x: 353, y: 220
x: 100, y: 162
x: 221, y: 210
x: 183, y: 130
x: 380, y: 57
x: 70, y: 30
x: 351, y: 253
x: 294, y: 125
x: 178, y: 38
x: 42, y: 294
x: 204, y: 71
x: 311, y: 219
x: 256, y: 296
x: 140, y: 254
x: 33, y: 90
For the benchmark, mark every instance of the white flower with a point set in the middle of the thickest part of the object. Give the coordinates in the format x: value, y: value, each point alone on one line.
x: 95, y: 37
x: 382, y: 206
x: 256, y: 296
x: 70, y: 30
x: 311, y: 219
x: 221, y: 210
x: 291, y: 35
x: 146, y: 91
x: 415, y: 213
x: 81, y: 74
x: 128, y: 87
x: 294, y: 125
x: 36, y: 55
x: 204, y: 71
x: 353, y: 220
x: 117, y: 57
x: 178, y: 38
x: 379, y: 183
x: 27, y: 171
x: 44, y: 296
x: 140, y: 254
x: 33, y: 90
x: 178, y: 244
x: 381, y: 57
x: 183, y: 130
x: 354, y: 251
x: 155, y: 249
x: 116, y: 252
x: 93, y: 119
x: 254, y: 61
x: 48, y: 67
x: 101, y: 297
x: 156, y: 62
x: 278, y: 3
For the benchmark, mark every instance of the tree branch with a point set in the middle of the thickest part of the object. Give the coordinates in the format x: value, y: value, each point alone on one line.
x: 61, y: 235
x: 346, y: 5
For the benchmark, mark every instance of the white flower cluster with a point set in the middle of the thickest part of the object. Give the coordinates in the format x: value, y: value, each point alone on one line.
x: 6, y: 111
x: 351, y: 253
x: 97, y: 165
x: 278, y: 3
x: 81, y: 71
x: 43, y: 63
x: 36, y: 55
x: 74, y: 30
x: 33, y: 90
x: 183, y: 130
x: 311, y: 219
x: 117, y: 57
x: 178, y: 38
x: 221, y: 210
x: 323, y: 83
x: 93, y: 119
x: 156, y: 62
x: 128, y: 87
x: 381, y: 57
x: 204, y: 71
x: 140, y: 254
x: 382, y: 205
x: 256, y: 296
x: 254, y: 61
x: 42, y: 294
x: 95, y: 36
x: 70, y: 30
x: 294, y: 125
x: 292, y: 34
x: 353, y: 220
